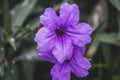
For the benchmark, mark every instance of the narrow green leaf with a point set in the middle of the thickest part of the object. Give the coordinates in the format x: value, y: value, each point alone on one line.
x: 2, y: 53
x: 100, y: 29
x: 31, y: 26
x: 7, y: 24
x: 95, y: 42
x: 10, y: 72
x: 11, y: 40
x: 21, y: 12
x: 118, y: 14
x: 111, y: 38
x: 98, y: 18
x: 116, y: 3
x: 107, y: 54
x: 116, y: 62
x: 37, y: 9
x: 6, y: 18
x: 1, y: 58
x: 99, y: 14
x: 99, y: 65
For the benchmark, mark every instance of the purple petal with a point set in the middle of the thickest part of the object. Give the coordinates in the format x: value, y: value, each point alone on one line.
x: 48, y: 57
x: 80, y: 34
x: 79, y: 72
x: 79, y: 50
x: 63, y: 49
x: 49, y: 19
x: 60, y: 72
x: 85, y: 28
x: 79, y: 65
x: 69, y: 14
x: 44, y: 39
x: 78, y: 56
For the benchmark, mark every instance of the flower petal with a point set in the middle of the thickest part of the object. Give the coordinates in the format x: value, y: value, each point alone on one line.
x: 49, y: 19
x: 79, y: 50
x: 69, y: 14
x: 60, y: 72
x: 80, y: 34
x: 79, y: 65
x: 85, y: 28
x: 63, y: 49
x: 44, y: 39
x: 48, y: 57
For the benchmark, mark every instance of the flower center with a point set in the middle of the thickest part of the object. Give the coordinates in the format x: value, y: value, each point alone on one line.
x: 59, y: 32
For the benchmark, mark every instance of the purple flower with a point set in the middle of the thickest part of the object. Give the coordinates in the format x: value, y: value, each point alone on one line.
x: 62, y: 41
x: 60, y: 33
x: 78, y: 64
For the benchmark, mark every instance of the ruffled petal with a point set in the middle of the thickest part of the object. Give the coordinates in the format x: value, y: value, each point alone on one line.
x: 80, y: 34
x: 85, y: 28
x: 69, y: 14
x: 44, y: 39
x: 48, y: 57
x: 63, y: 49
x: 79, y: 65
x: 60, y: 72
x: 79, y: 50
x: 49, y: 19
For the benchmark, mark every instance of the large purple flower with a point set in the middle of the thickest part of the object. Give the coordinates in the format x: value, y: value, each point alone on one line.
x: 62, y: 41
x: 57, y: 38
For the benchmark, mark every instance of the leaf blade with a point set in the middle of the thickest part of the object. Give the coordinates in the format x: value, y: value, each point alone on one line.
x: 21, y: 12
x: 111, y: 38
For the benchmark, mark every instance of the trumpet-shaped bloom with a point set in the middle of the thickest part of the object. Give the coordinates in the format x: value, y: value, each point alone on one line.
x: 62, y: 41
x: 60, y: 33
x: 78, y: 64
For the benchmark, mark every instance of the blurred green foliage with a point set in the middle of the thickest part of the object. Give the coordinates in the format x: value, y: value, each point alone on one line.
x: 19, y: 21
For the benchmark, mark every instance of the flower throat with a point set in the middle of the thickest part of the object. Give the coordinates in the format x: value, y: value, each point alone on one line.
x: 59, y: 32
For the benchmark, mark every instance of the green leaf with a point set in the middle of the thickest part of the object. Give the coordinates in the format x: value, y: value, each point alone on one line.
x: 107, y: 54
x: 7, y: 24
x: 11, y: 40
x: 95, y: 42
x: 31, y: 26
x: 6, y: 18
x: 21, y: 12
x: 111, y: 38
x: 99, y: 14
x: 116, y: 3
x: 100, y: 29
x: 2, y: 55
x: 99, y: 65
x: 37, y: 9
x: 116, y: 62
x: 98, y: 19
x: 1, y: 58
x: 10, y: 72
x: 118, y: 14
